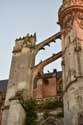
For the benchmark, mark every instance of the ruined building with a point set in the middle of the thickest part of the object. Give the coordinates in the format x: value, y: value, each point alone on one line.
x: 42, y: 89
x: 24, y: 74
x: 28, y: 80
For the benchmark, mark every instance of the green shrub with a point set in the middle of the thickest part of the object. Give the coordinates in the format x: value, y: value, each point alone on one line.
x: 30, y: 108
x: 52, y: 104
x: 46, y: 114
x: 60, y: 115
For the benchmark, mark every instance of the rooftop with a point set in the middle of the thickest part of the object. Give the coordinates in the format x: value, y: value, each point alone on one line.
x: 4, y: 83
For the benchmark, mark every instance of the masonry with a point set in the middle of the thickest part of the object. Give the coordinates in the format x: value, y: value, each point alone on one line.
x: 24, y: 72
x: 71, y: 21
x: 41, y: 91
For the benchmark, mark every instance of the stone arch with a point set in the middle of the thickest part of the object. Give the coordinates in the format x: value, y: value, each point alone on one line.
x: 51, y: 120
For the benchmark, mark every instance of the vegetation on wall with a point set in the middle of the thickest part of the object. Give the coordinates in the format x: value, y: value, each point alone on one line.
x: 45, y: 115
x: 60, y: 115
x: 60, y: 89
x: 30, y: 107
x: 50, y: 104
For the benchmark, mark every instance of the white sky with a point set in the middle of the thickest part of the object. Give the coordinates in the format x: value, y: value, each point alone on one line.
x: 19, y: 17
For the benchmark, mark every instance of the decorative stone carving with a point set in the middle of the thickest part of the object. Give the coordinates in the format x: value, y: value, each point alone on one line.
x: 68, y: 12
x: 27, y: 41
x: 77, y: 47
x: 71, y: 21
x: 18, y: 46
x: 68, y: 22
x: 73, y: 42
x: 80, y: 118
x: 79, y: 101
x: 72, y: 2
x: 76, y: 1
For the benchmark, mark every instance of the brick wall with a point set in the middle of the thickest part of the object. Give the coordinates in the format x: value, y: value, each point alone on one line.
x: 46, y: 89
x: 49, y: 89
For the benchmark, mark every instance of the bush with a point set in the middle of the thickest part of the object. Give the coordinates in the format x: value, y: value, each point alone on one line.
x: 60, y: 115
x: 30, y: 108
x: 52, y: 104
x: 46, y: 114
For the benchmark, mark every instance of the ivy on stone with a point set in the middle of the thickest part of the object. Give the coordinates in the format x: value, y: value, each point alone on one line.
x: 30, y: 107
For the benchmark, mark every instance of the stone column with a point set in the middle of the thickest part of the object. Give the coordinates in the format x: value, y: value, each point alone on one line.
x: 71, y: 22
x: 19, y: 80
x: 16, y: 114
x: 5, y: 112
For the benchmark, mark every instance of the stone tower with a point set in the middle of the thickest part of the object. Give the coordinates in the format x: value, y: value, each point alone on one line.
x: 71, y: 22
x: 22, y: 75
x: 19, y: 80
x: 22, y: 61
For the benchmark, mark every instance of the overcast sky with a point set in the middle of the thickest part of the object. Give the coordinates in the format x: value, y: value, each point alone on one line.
x: 19, y: 17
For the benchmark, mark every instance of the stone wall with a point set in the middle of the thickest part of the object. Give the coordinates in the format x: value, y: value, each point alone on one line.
x: 47, y: 88
x: 71, y: 21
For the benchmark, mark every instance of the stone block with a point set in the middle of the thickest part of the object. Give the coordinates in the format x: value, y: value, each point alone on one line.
x: 16, y: 114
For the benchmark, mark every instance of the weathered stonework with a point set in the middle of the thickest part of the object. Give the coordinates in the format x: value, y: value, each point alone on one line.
x: 71, y: 21
x: 48, y: 88
x: 22, y: 76
x: 43, y: 90
x: 20, y: 79
x: 16, y: 114
x: 23, y: 59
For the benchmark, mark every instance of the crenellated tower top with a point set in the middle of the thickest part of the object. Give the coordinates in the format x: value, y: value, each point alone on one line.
x: 26, y: 41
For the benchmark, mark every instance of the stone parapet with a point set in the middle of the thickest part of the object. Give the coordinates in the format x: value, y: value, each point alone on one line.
x: 25, y: 42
